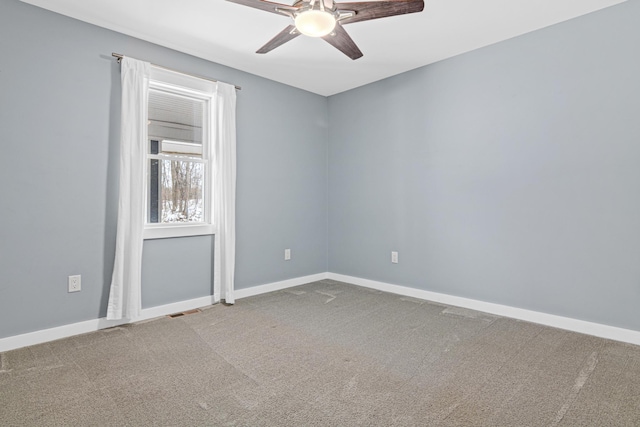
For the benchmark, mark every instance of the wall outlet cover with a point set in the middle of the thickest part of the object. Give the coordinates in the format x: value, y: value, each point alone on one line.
x: 75, y: 283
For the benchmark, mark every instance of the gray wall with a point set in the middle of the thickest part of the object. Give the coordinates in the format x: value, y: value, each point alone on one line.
x: 509, y: 174
x: 59, y: 118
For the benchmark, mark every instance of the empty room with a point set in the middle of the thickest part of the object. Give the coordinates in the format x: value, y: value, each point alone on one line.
x: 320, y: 212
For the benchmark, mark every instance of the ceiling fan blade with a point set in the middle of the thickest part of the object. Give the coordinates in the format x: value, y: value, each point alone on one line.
x: 265, y: 5
x: 368, y: 10
x: 343, y: 42
x: 282, y: 37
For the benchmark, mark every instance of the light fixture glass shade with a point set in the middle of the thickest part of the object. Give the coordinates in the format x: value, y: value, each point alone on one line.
x: 315, y: 23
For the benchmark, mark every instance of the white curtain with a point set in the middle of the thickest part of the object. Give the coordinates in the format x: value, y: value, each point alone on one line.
x: 225, y: 190
x: 126, y: 282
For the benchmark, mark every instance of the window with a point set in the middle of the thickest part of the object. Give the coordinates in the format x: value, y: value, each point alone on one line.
x: 178, y: 163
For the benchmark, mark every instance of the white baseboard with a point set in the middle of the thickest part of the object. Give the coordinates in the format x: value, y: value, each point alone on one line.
x: 277, y: 286
x: 581, y: 326
x: 65, y: 331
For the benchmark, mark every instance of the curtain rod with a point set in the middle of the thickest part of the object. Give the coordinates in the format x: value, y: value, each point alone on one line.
x: 119, y: 56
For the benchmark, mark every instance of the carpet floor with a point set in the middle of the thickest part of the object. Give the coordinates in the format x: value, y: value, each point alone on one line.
x: 324, y: 354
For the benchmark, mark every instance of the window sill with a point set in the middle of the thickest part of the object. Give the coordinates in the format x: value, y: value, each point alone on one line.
x: 167, y: 232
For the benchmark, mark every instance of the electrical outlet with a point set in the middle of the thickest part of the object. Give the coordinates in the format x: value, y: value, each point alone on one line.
x: 75, y: 283
x: 287, y: 254
x: 394, y: 257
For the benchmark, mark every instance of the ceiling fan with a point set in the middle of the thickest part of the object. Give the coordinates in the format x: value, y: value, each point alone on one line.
x: 325, y: 18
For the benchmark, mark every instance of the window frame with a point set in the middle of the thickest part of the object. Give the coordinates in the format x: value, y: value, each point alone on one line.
x: 179, y: 84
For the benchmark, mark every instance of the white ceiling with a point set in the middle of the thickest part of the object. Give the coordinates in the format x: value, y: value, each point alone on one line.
x: 229, y: 34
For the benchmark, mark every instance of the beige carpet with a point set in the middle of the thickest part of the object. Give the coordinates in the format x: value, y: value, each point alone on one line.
x: 324, y: 354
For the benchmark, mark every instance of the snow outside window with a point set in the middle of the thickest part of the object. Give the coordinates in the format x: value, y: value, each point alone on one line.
x: 178, y: 163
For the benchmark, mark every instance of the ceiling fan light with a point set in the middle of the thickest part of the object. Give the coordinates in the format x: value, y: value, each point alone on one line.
x: 315, y: 23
